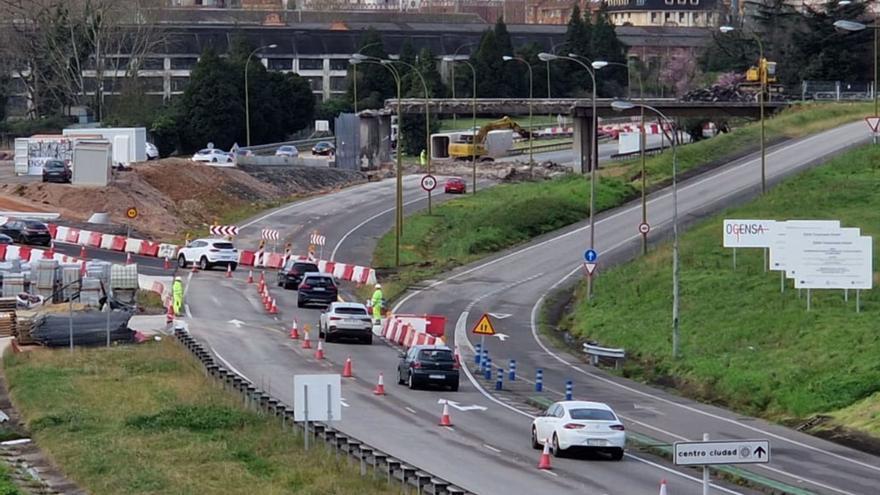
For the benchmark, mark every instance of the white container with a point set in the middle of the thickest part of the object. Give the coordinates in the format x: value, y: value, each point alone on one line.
x: 91, y: 163
x: 129, y: 143
x: 499, y: 143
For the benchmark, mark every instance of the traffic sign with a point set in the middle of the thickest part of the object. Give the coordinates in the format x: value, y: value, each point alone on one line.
x: 873, y: 123
x: 224, y: 230
x: 270, y: 235
x: 590, y: 268
x: 484, y: 326
x: 721, y: 452
x: 131, y: 213
x: 644, y: 228
x: 590, y: 256
x: 429, y: 182
x: 317, y: 239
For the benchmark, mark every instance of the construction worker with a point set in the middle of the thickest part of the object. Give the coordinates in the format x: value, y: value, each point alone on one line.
x: 177, y: 295
x: 423, y: 158
x: 377, y: 304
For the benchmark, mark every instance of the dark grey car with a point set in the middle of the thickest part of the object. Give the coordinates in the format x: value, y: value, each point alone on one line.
x: 425, y: 365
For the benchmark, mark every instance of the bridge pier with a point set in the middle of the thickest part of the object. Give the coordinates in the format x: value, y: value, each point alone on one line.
x: 584, y: 134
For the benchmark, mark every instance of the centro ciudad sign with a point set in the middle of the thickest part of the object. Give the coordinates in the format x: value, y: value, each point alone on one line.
x: 722, y: 452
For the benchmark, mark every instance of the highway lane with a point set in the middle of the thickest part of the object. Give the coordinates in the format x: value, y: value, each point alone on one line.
x: 566, y: 157
x: 490, y: 286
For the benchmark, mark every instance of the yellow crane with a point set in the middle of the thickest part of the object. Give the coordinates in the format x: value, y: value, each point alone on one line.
x: 474, y: 144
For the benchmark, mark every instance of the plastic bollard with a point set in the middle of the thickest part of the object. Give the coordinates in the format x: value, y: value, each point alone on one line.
x: 487, y: 374
x: 485, y: 359
x: 477, y: 354
x: 539, y: 380
x: 500, y: 381
x: 568, y: 389
x: 512, y: 371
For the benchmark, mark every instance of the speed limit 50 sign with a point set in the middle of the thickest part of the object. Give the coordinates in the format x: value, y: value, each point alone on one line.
x: 429, y: 182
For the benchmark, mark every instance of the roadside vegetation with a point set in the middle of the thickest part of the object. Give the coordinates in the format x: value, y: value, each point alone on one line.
x: 469, y: 228
x: 743, y: 343
x: 145, y: 419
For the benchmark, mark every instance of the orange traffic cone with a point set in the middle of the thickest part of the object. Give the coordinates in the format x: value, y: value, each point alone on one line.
x: 128, y: 259
x: 250, y: 279
x: 228, y: 271
x: 195, y: 267
x: 662, y: 487
x: 319, y: 353
x: 294, y: 332
x: 82, y: 253
x: 262, y: 279
x: 169, y: 316
x: 273, y: 310
x: 167, y: 265
x: 544, y: 463
x: 445, y: 420
x: 346, y: 370
x: 307, y: 344
x: 82, y: 268
x: 380, y: 387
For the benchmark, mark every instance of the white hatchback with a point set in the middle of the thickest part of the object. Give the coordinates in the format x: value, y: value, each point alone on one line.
x: 208, y: 253
x: 212, y: 155
x: 570, y: 425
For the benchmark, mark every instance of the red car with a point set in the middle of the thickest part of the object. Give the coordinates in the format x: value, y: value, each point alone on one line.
x: 455, y: 185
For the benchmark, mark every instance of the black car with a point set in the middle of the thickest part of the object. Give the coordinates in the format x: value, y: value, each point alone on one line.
x: 317, y: 288
x: 27, y: 232
x: 291, y: 274
x: 323, y: 148
x: 5, y: 239
x: 57, y: 171
x: 424, y: 365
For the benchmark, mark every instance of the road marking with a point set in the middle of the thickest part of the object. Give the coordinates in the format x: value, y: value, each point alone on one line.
x: 461, y: 407
x: 188, y: 312
x: 216, y: 301
x: 358, y: 226
x: 493, y: 449
x: 282, y: 210
x: 678, y: 473
x: 546, y: 471
x: 410, y: 409
x: 229, y: 365
x: 237, y: 323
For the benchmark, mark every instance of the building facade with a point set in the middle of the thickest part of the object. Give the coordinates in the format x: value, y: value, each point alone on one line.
x: 681, y: 13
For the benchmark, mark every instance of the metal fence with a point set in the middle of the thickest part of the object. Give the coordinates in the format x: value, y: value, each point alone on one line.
x: 836, y: 90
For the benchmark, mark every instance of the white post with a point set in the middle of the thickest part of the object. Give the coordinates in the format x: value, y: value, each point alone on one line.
x: 858, y: 300
x: 845, y: 295
x: 781, y: 282
x: 734, y: 259
x: 329, y: 405
x: 306, y: 415
x: 705, y: 470
x: 808, y: 299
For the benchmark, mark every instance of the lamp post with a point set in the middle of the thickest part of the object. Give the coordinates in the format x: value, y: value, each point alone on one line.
x: 858, y: 26
x: 453, y: 58
x: 594, y: 162
x: 398, y: 205
x: 247, y: 105
x: 626, y: 105
x: 762, y: 75
x: 474, y: 116
x: 508, y: 58
x: 355, y: 74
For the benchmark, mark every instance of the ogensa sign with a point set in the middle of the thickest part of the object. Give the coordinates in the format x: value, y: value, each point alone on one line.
x: 748, y: 233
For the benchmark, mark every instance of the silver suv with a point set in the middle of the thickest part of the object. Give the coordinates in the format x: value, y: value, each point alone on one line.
x: 346, y: 320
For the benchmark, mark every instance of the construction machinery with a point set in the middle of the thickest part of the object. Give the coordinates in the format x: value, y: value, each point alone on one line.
x: 754, y: 76
x: 474, y: 144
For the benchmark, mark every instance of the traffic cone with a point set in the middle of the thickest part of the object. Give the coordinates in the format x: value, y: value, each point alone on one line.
x: 128, y: 259
x: 82, y: 253
x: 662, y: 487
x: 228, y: 271
x: 544, y: 463
x: 250, y: 279
x: 273, y: 310
x: 169, y: 316
x: 307, y: 344
x: 319, y: 353
x: 195, y: 267
x: 380, y: 387
x: 262, y: 279
x: 294, y: 332
x: 167, y: 265
x: 346, y: 370
x: 82, y: 268
x: 445, y: 420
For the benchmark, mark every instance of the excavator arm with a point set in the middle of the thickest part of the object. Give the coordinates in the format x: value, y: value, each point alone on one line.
x: 502, y: 123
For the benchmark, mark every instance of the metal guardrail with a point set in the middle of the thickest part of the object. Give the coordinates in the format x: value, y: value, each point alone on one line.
x: 542, y: 148
x: 393, y: 470
x: 302, y: 144
x: 595, y: 352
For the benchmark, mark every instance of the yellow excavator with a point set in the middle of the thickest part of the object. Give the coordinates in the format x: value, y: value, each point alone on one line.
x: 754, y: 75
x: 474, y: 144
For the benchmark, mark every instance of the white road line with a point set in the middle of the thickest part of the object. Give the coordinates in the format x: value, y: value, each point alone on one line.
x: 678, y: 473
x: 410, y: 409
x: 282, y: 210
x: 358, y: 226
x: 188, y: 312
x: 493, y: 449
x: 547, y: 471
x: 229, y: 365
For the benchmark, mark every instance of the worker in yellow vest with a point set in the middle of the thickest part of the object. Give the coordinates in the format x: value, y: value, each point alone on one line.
x: 377, y: 304
x: 177, y: 295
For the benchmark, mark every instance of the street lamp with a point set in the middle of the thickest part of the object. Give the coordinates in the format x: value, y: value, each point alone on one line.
x: 549, y: 57
x: 247, y: 106
x: 474, y: 116
x: 642, y: 144
x: 627, y: 105
x: 508, y: 58
x: 355, y: 73
x: 762, y: 75
x: 358, y: 58
x: 453, y: 59
x: 853, y: 26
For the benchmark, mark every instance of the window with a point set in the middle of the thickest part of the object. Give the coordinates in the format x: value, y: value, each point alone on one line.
x: 319, y: 281
x: 592, y: 414
x: 348, y: 310
x: 559, y: 412
x: 338, y: 83
x: 152, y: 63
x: 183, y: 63
x: 338, y: 64
x: 653, y: 18
x: 179, y: 83
x: 681, y: 17
x: 670, y: 2
x: 316, y: 83
x: 153, y: 84
x: 695, y: 2
x: 696, y: 17
x: 280, y: 64
x: 311, y: 64
x: 435, y: 355
x: 224, y: 245
x: 640, y: 3
x: 682, y: 2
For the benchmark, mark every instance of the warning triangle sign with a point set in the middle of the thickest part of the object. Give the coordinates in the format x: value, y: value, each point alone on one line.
x: 873, y: 123
x: 484, y: 326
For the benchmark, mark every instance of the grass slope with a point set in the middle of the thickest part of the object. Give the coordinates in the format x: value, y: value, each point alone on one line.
x: 146, y: 420
x: 469, y: 228
x: 743, y: 343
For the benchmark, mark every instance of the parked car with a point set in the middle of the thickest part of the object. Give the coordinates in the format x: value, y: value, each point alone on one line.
x: 291, y: 274
x: 212, y: 155
x: 208, y: 253
x: 425, y: 365
x: 570, y: 425
x: 5, y: 239
x: 287, y: 150
x: 455, y: 185
x: 344, y: 320
x: 27, y: 232
x: 152, y: 151
x: 323, y: 148
x: 317, y: 288
x: 57, y: 171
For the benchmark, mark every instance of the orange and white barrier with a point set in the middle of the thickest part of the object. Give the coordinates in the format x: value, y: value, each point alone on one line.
x: 408, y: 330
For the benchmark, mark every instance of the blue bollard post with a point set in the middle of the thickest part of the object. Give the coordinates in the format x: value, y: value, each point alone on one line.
x: 499, y: 381
x: 485, y: 359
x: 477, y: 355
x: 488, y: 372
x: 512, y: 372
x: 539, y: 380
x: 568, y: 392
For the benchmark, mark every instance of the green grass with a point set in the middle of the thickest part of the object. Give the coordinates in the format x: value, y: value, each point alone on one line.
x: 743, y: 343
x: 144, y: 419
x: 469, y: 228
x: 150, y: 301
x: 7, y: 486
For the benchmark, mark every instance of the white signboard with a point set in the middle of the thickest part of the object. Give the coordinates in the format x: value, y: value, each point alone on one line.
x: 800, y: 240
x: 317, y: 398
x: 779, y: 246
x: 835, y: 263
x: 722, y: 452
x: 748, y: 233
x: 628, y: 142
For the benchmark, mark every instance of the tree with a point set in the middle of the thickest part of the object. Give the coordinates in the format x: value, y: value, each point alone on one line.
x: 413, y: 129
x: 210, y: 107
x: 823, y: 52
x: 374, y: 83
x: 607, y: 47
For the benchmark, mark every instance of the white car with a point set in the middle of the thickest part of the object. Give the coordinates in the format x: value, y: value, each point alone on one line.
x: 212, y: 155
x: 152, y: 151
x: 208, y: 253
x: 287, y: 150
x: 346, y: 320
x: 570, y: 425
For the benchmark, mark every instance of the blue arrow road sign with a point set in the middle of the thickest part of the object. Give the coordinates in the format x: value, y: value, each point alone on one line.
x: 590, y: 256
